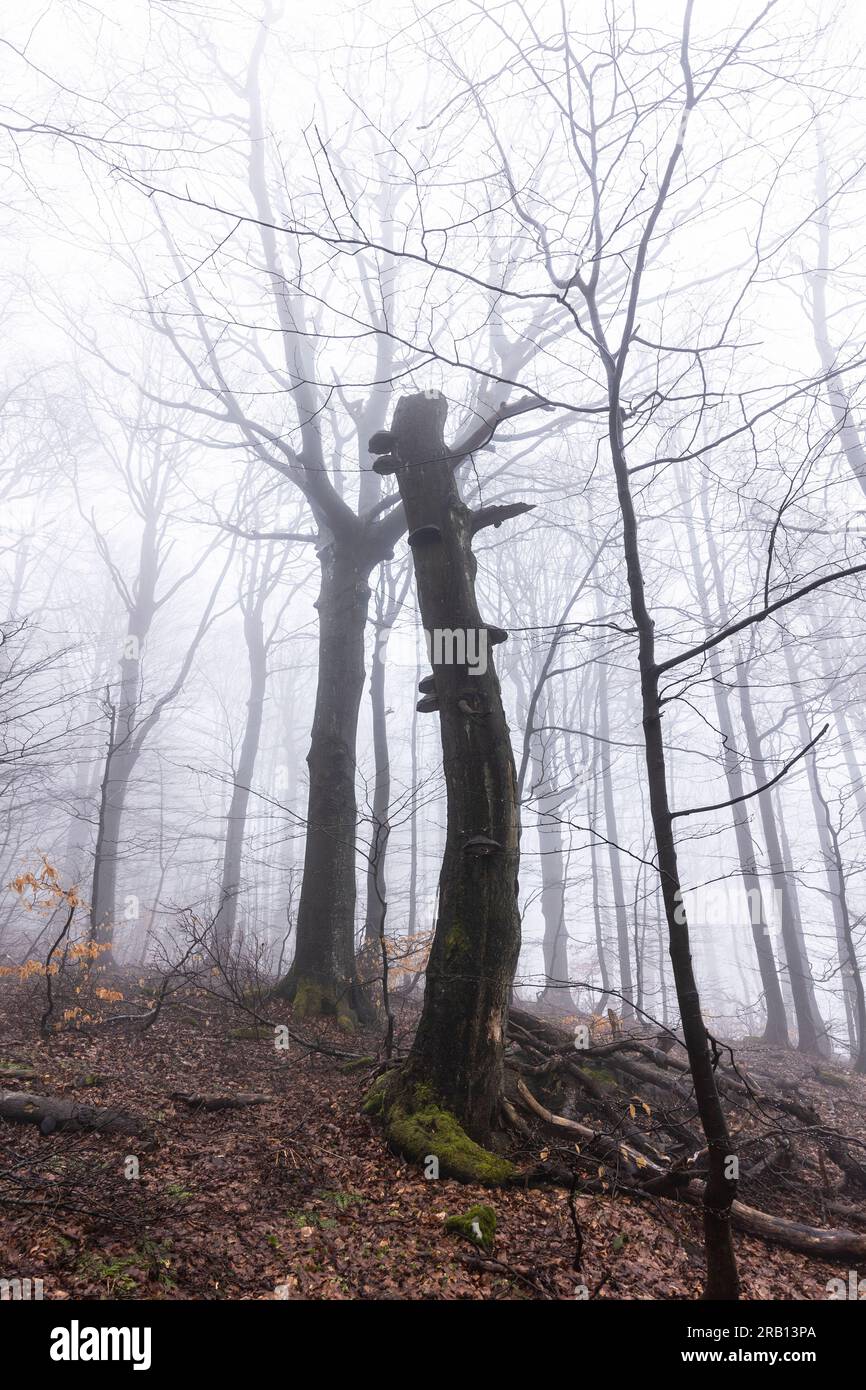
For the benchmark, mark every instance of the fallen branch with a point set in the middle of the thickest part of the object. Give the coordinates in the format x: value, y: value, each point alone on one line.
x: 794, y: 1235
x: 219, y: 1102
x: 609, y: 1148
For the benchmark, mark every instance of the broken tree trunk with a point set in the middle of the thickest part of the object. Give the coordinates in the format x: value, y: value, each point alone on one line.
x: 52, y: 1112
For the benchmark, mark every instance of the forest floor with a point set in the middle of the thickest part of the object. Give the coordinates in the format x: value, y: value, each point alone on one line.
x: 298, y: 1196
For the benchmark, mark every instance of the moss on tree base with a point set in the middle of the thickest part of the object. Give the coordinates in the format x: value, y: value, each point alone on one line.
x: 309, y: 999
x: 419, y: 1128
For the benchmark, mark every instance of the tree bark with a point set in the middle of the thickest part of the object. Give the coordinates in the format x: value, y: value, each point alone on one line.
x: 548, y: 800
x: 833, y: 868
x: 457, y: 1054
x: 776, y: 1027
x: 611, y: 830
x: 120, y: 761
x: 323, y: 979
x: 811, y: 1032
x: 230, y: 880
x: 721, y: 1187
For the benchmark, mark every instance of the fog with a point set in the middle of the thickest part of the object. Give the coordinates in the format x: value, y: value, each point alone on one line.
x: 626, y: 257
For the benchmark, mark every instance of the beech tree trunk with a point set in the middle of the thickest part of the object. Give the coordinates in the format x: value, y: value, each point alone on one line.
x: 811, y: 1032
x: 376, y: 881
x: 323, y: 979
x: 120, y: 761
x: 548, y: 800
x: 611, y: 830
x: 458, y: 1049
x: 776, y: 1027
x: 833, y: 870
x: 852, y: 977
x: 230, y: 881
x: 556, y: 994
x: 601, y: 1004
x: 388, y: 605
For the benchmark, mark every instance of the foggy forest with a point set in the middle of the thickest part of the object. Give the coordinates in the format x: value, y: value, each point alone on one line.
x: 433, y: 475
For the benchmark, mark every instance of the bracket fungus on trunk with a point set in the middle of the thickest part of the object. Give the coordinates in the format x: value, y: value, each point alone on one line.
x: 385, y: 465
x: 482, y: 847
x: 424, y: 535
x: 382, y: 442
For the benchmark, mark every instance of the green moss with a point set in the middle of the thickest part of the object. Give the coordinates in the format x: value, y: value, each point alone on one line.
x: 342, y: 1200
x: 309, y: 1000
x: 457, y: 941
x: 357, y: 1064
x: 313, y: 1001
x: 122, y: 1274
x: 375, y: 1101
x: 602, y: 1076
x: 417, y: 1125
x: 426, y: 1129
x: 477, y: 1225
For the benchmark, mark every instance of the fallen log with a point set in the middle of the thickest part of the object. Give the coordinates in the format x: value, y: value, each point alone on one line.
x: 808, y: 1240
x: 219, y: 1102
x: 52, y: 1113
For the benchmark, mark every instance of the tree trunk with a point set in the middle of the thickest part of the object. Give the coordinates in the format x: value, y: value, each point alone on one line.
x: 125, y: 743
x: 322, y: 979
x: 121, y: 757
x: 457, y: 1055
x: 230, y: 881
x: 776, y: 1027
x: 611, y: 830
x: 833, y: 869
x: 852, y: 978
x: 388, y: 605
x: 600, y: 1005
x: 548, y: 801
x: 376, y: 883
x: 721, y: 1187
x: 412, y: 920
x: 811, y: 1033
